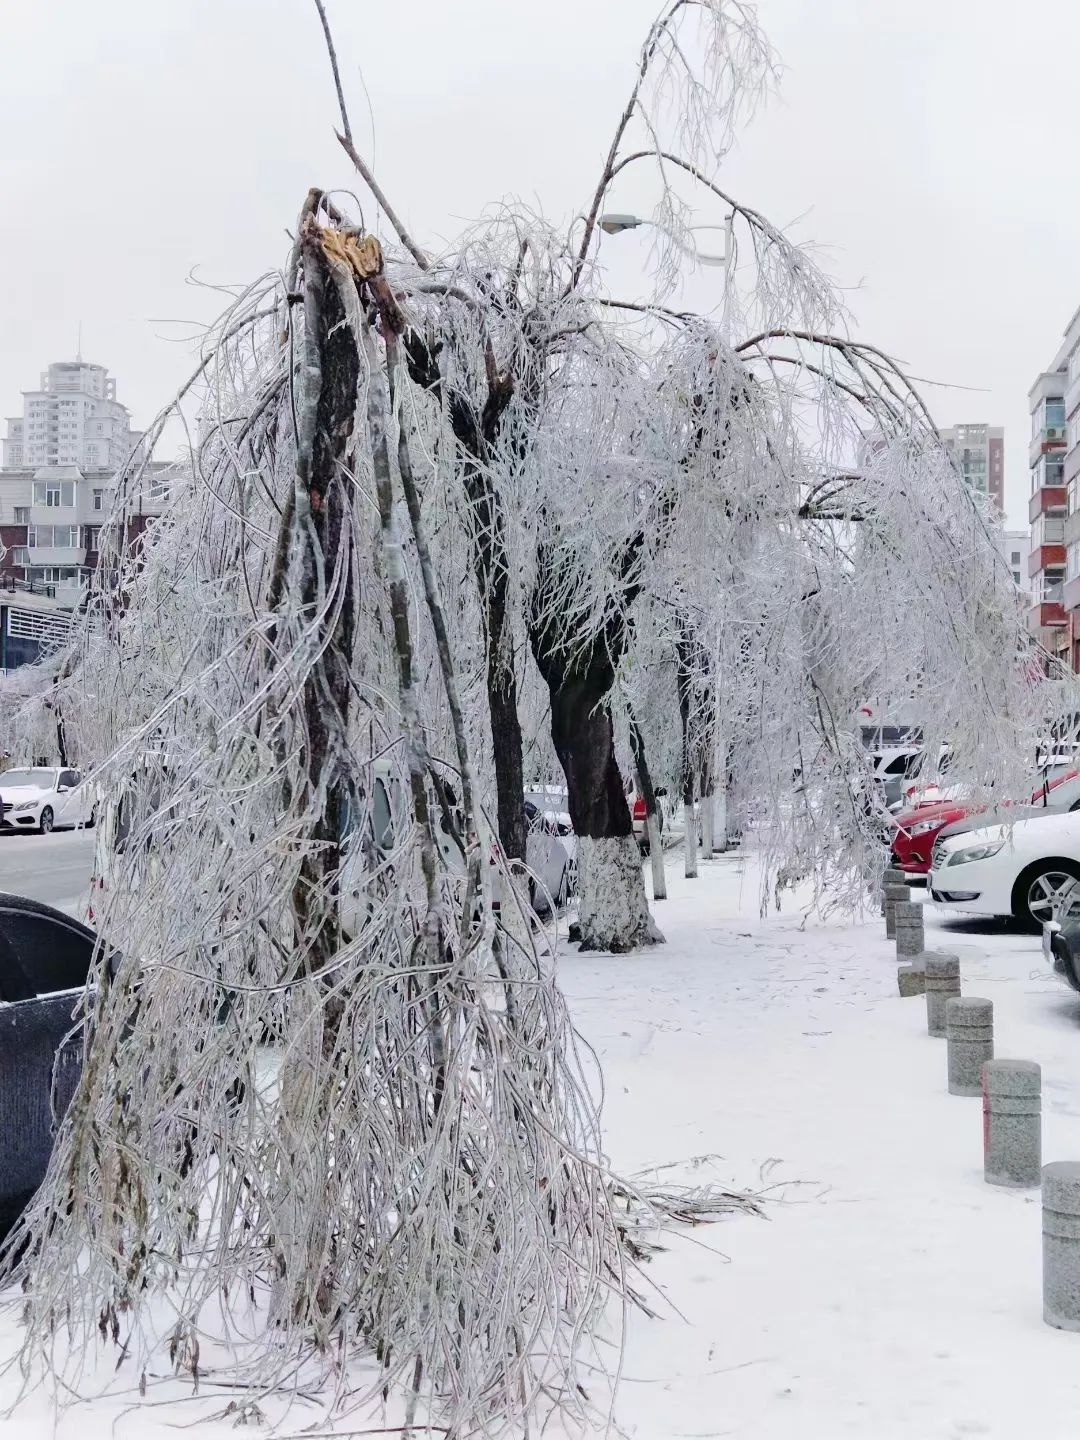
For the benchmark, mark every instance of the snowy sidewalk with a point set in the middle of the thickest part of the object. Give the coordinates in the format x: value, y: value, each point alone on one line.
x: 891, y: 1293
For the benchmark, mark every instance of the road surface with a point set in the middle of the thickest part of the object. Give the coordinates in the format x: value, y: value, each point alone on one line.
x: 52, y: 868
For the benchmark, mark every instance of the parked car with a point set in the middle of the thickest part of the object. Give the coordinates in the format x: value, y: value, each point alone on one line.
x: 1061, y: 943
x: 892, y: 768
x: 1023, y: 869
x: 44, y: 798
x: 44, y: 962
x: 638, y: 817
x: 550, y: 846
x: 917, y: 829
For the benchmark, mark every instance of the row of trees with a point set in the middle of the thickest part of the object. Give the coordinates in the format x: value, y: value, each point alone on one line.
x: 457, y: 519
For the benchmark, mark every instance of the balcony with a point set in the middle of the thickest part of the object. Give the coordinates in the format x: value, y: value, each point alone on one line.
x: 1047, y: 499
x: 1072, y: 395
x: 1046, y: 441
x: 1050, y: 613
x: 1046, y: 557
x: 1070, y: 596
x: 56, y: 555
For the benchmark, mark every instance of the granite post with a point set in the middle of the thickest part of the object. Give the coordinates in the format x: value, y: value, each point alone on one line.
x: 908, y: 918
x: 942, y: 983
x: 894, y: 895
x: 969, y: 1025
x: 1012, y: 1123
x: 1061, y: 1244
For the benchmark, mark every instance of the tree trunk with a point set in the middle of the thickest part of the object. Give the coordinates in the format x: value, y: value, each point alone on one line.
x: 706, y: 823
x: 614, y: 910
x: 475, y: 436
x: 652, y: 810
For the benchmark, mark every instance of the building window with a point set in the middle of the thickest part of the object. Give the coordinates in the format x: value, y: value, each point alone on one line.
x: 99, y: 499
x: 1054, y: 412
x: 1016, y: 578
x: 54, y: 493
x: 22, y: 514
x: 53, y: 574
x: 20, y: 555
x: 61, y: 537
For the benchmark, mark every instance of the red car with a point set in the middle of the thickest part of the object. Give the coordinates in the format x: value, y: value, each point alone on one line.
x: 919, y: 828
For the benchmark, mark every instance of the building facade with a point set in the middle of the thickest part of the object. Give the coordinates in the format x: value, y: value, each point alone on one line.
x: 1047, y: 619
x: 1015, y: 548
x: 57, y: 480
x: 979, y: 452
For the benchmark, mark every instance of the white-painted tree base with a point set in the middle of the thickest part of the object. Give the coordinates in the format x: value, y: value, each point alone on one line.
x: 706, y: 826
x: 690, y: 841
x: 656, y: 858
x: 614, y: 913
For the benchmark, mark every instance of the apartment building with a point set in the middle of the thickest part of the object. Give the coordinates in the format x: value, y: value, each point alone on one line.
x: 56, y: 484
x: 72, y: 418
x: 979, y: 452
x: 1047, y: 619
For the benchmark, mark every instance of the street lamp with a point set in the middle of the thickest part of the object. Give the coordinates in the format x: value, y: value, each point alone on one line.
x: 614, y: 224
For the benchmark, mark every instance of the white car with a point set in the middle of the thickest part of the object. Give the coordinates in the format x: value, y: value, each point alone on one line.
x: 1023, y: 870
x: 550, y: 846
x: 44, y: 798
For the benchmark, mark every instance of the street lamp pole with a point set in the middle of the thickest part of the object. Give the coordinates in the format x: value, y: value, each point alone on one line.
x: 613, y: 224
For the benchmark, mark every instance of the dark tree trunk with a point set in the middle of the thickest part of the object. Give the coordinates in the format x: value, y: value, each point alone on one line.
x: 614, y: 911
x: 326, y: 691
x: 475, y: 436
x: 584, y: 740
x: 492, y: 582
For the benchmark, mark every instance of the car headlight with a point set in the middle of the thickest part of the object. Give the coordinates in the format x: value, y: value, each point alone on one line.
x: 26, y: 805
x: 924, y: 827
x: 975, y: 852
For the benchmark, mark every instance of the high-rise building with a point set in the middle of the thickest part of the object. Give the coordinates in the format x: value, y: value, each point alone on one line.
x: 73, y: 418
x: 979, y: 451
x: 56, y: 482
x: 1047, y: 619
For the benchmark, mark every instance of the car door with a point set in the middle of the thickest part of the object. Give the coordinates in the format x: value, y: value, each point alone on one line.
x: 543, y: 852
x: 66, y: 799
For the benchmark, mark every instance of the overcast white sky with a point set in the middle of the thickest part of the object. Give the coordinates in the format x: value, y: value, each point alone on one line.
x: 925, y: 144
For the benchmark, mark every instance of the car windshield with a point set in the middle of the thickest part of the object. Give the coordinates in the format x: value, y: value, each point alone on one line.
x: 40, y: 779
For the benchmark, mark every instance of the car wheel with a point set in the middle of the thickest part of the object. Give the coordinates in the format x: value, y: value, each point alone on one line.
x: 45, y: 824
x: 1041, y: 888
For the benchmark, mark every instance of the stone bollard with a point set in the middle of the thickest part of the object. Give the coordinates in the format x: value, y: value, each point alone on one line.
x: 910, y: 981
x: 894, y: 895
x: 1012, y: 1123
x: 942, y: 983
x: 969, y: 1025
x: 1061, y: 1244
x: 908, y: 919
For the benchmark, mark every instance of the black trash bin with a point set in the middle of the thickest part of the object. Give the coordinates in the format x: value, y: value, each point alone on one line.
x: 44, y: 962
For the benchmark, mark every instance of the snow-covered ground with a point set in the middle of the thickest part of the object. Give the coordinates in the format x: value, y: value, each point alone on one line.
x: 889, y: 1292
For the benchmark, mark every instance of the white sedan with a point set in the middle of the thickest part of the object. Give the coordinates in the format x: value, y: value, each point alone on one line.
x: 1023, y: 870
x: 550, y: 846
x: 44, y: 798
